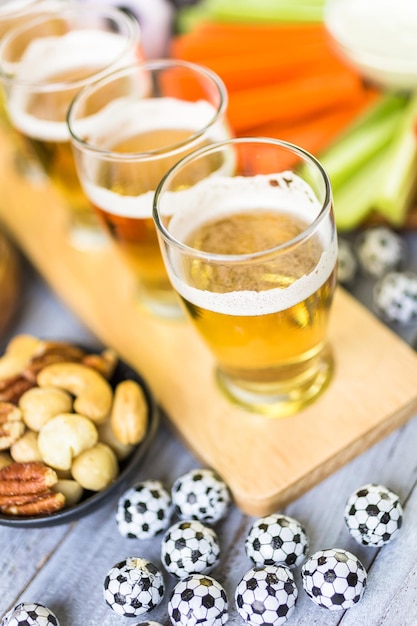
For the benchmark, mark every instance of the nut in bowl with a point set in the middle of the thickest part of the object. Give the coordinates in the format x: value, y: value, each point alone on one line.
x: 74, y: 427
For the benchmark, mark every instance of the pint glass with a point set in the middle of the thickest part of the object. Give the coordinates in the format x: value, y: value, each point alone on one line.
x: 127, y: 130
x: 252, y: 254
x: 43, y: 63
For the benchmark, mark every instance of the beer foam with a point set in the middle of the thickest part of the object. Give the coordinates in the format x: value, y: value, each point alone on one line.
x: 126, y: 117
x: 48, y: 57
x: 250, y: 303
x: 214, y: 198
x: 124, y: 206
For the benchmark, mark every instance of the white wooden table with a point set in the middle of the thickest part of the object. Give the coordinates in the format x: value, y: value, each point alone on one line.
x: 64, y: 567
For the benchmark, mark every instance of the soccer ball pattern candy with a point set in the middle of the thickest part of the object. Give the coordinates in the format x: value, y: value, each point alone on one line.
x: 373, y: 515
x: 202, y: 495
x: 190, y: 547
x: 144, y: 510
x: 347, y: 264
x: 395, y: 297
x: 380, y: 250
x: 266, y: 595
x: 30, y: 614
x: 277, y: 539
x: 133, y: 587
x: 198, y: 599
x: 334, y: 579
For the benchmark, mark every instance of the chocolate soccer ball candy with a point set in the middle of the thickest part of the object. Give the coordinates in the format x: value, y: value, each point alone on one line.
x: 133, y: 587
x: 395, y: 297
x: 198, y: 600
x: 144, y: 510
x: 334, y: 579
x: 200, y: 494
x: 373, y: 515
x: 380, y: 250
x: 189, y: 547
x: 266, y: 595
x: 276, y: 539
x: 30, y: 614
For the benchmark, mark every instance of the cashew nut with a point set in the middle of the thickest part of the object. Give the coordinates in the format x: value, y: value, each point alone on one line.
x: 40, y: 404
x: 18, y: 353
x: 64, y: 437
x: 95, y: 468
x: 26, y: 448
x: 129, y: 415
x: 93, y: 393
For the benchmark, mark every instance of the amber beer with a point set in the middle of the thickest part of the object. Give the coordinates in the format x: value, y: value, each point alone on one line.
x: 259, y: 333
x: 257, y: 278
x: 126, y: 208
x: 12, y: 14
x: 53, y: 61
x: 130, y: 143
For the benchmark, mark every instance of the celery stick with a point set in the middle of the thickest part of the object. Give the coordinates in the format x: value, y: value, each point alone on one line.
x: 397, y: 189
x: 250, y: 11
x: 370, y: 134
x: 267, y: 10
x: 355, y: 199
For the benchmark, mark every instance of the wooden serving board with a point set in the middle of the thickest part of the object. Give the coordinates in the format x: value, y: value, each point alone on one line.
x: 266, y: 463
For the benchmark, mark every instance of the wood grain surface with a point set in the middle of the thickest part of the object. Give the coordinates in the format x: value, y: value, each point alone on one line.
x: 267, y: 463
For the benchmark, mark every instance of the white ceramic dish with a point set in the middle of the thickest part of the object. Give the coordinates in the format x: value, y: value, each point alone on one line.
x: 377, y: 37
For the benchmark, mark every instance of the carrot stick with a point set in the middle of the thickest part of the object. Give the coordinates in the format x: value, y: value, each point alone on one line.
x: 292, y: 101
x: 316, y: 134
x: 260, y: 68
x: 211, y: 40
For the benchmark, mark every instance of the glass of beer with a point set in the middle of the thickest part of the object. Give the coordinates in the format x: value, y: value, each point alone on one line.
x: 13, y: 13
x: 44, y: 62
x: 251, y: 251
x: 127, y: 130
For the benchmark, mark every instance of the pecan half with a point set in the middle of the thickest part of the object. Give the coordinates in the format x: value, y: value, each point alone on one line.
x: 14, y: 388
x: 32, y: 504
x: 50, y: 352
x: 32, y: 477
x: 105, y: 362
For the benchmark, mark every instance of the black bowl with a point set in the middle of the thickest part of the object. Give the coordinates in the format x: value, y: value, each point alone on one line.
x: 128, y: 467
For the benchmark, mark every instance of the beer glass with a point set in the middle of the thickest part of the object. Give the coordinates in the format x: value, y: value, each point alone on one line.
x: 127, y: 130
x: 44, y: 62
x: 13, y: 13
x: 252, y: 254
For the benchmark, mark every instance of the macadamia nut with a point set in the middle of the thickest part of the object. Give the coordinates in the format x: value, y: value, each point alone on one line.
x: 26, y: 448
x: 65, y: 437
x: 70, y: 489
x: 40, y: 404
x: 95, y: 468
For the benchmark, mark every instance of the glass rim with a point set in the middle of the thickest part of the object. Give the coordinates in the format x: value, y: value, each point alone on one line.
x: 326, y: 204
x: 154, y: 64
x: 9, y: 8
x: 133, y: 35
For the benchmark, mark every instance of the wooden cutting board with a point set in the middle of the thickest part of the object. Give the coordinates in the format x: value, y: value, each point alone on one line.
x: 266, y: 463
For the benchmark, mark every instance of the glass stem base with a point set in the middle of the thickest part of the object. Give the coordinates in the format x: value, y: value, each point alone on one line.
x: 275, y: 400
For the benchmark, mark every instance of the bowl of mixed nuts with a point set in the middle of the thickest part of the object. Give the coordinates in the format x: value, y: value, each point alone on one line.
x: 75, y: 425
